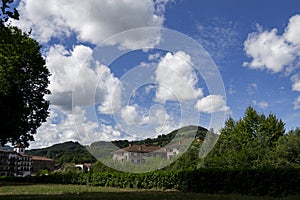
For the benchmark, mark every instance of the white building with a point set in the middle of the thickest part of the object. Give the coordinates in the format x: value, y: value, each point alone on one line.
x: 137, y: 154
x: 15, y: 163
x: 173, y: 150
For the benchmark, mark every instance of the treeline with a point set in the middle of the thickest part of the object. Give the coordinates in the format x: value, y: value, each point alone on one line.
x: 278, y: 182
x: 255, y: 141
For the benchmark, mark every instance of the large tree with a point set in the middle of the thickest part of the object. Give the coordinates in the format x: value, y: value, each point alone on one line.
x: 23, y: 83
x: 248, y: 142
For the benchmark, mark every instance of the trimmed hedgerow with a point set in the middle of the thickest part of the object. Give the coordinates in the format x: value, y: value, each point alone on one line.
x: 272, y: 182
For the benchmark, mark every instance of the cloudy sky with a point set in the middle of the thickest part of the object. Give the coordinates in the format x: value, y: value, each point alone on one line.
x: 113, y: 79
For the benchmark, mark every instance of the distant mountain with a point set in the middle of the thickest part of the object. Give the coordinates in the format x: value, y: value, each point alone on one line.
x: 68, y: 152
x: 73, y: 152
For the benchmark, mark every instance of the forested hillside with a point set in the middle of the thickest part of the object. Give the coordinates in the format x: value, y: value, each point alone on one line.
x: 68, y: 152
x: 74, y: 152
x: 164, y: 139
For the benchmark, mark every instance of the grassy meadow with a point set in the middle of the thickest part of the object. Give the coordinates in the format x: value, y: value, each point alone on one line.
x: 58, y: 191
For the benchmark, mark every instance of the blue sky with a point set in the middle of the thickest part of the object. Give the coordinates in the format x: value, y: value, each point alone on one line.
x: 254, y: 46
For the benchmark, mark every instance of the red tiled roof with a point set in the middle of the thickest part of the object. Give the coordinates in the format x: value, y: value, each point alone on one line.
x: 141, y: 148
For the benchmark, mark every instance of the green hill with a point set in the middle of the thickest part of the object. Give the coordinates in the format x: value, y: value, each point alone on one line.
x: 163, y: 140
x: 68, y: 152
x: 73, y: 152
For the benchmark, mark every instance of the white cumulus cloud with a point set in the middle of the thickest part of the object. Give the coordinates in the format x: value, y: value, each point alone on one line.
x: 132, y: 115
x: 176, y: 78
x: 292, y: 32
x: 211, y: 104
x: 92, y: 20
x: 272, y: 51
x: 74, y: 74
x: 63, y: 126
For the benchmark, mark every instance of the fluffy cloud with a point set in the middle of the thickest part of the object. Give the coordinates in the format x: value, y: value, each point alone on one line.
x: 109, y: 89
x: 132, y: 115
x: 268, y: 50
x: 92, y: 20
x: 296, y: 83
x: 297, y: 103
x: 63, y: 126
x: 146, y: 122
x: 176, y: 78
x: 292, y: 32
x: 272, y: 51
x: 211, y: 104
x: 73, y: 75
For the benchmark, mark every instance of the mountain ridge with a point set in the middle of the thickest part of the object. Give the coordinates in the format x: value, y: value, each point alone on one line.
x: 74, y: 152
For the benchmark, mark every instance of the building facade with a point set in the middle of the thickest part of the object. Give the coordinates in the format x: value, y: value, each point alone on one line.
x: 137, y: 154
x: 13, y: 163
x: 17, y: 163
x: 41, y: 163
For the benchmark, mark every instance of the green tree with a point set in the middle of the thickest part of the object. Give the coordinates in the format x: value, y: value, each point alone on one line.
x: 248, y: 142
x: 287, y: 152
x: 23, y: 84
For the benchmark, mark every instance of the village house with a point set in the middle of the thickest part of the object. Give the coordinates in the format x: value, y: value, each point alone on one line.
x: 137, y: 154
x: 41, y: 163
x: 172, y: 150
x: 17, y: 163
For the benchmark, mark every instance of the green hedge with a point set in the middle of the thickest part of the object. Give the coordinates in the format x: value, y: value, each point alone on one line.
x: 272, y: 182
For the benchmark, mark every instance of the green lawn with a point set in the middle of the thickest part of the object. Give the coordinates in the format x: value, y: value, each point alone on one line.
x: 57, y: 191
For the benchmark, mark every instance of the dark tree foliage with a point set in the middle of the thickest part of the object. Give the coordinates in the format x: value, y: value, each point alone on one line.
x: 23, y: 83
x: 7, y: 12
x: 287, y: 153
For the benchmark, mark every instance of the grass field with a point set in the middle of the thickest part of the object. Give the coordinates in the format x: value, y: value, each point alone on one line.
x: 57, y: 191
